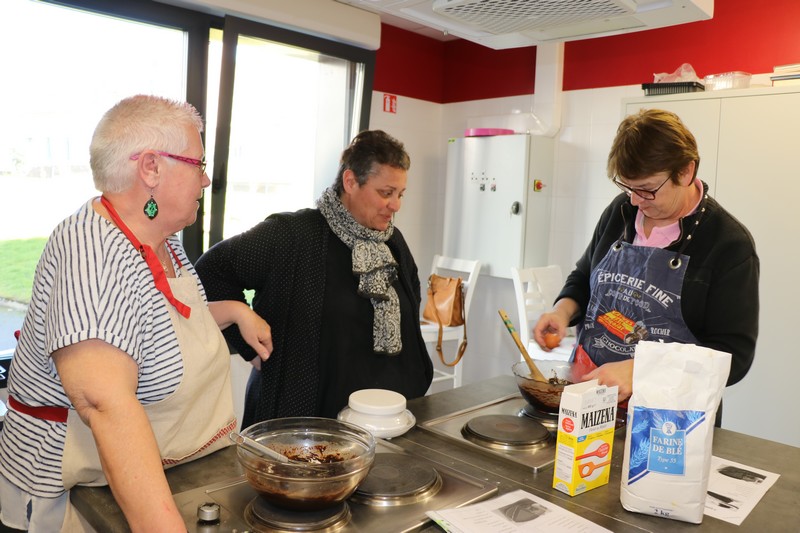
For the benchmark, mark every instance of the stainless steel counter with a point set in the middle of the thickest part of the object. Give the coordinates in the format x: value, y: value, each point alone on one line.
x: 778, y: 511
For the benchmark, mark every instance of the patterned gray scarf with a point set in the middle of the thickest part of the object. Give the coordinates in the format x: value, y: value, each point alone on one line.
x: 375, y: 266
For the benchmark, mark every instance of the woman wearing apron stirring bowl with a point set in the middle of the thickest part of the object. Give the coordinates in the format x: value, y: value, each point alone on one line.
x: 666, y: 262
x: 121, y: 369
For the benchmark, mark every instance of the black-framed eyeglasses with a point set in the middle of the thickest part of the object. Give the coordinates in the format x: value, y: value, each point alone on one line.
x: 647, y: 194
x: 199, y: 163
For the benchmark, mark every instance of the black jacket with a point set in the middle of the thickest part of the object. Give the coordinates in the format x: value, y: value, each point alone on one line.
x: 719, y: 301
x: 283, y: 259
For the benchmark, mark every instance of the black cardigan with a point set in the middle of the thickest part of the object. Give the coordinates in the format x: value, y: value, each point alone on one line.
x: 283, y: 260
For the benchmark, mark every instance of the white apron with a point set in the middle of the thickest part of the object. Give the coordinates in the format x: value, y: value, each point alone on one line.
x: 192, y: 422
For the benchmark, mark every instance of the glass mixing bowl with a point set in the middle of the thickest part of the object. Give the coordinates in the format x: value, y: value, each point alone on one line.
x: 329, y: 458
x: 544, y: 397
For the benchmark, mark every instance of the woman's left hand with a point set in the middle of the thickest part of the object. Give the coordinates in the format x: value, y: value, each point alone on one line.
x: 254, y: 330
x: 619, y: 373
x: 257, y: 333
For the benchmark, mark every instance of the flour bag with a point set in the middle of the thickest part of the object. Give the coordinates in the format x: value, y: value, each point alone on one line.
x: 676, y: 391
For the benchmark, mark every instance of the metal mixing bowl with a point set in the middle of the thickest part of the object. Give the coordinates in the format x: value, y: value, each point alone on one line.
x: 545, y: 397
x: 345, y: 453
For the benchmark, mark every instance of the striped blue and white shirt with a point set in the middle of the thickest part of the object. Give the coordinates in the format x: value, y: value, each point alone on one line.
x: 90, y: 283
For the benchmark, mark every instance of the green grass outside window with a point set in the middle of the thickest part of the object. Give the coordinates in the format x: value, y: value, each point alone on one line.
x: 19, y: 258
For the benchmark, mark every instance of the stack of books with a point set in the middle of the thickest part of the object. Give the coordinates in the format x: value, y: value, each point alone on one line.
x: 786, y: 75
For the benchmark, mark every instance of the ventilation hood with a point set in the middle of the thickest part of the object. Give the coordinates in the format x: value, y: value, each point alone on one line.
x: 501, y: 24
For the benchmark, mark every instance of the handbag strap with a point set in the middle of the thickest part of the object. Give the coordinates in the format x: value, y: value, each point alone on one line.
x: 463, y: 347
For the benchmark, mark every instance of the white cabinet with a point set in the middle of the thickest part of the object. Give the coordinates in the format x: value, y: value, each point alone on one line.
x: 755, y: 142
x: 498, y: 202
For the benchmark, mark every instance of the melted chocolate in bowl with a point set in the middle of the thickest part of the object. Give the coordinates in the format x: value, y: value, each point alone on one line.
x: 394, y: 480
x: 316, y: 454
x: 319, y: 488
x: 330, y: 459
x: 544, y: 397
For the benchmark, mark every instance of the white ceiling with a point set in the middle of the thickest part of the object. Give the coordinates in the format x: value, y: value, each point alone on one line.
x: 410, y: 25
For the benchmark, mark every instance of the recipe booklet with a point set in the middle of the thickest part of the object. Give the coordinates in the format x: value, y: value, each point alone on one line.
x: 517, y: 511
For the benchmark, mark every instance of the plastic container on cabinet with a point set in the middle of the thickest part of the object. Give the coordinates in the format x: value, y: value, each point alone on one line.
x: 727, y: 80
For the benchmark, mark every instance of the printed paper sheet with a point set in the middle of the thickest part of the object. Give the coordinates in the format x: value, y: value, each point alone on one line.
x: 734, y: 489
x: 515, y: 512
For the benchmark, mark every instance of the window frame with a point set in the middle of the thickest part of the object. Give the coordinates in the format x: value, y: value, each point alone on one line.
x: 233, y: 28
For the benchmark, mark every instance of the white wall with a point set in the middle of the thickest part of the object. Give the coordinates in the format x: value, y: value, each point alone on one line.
x: 418, y: 125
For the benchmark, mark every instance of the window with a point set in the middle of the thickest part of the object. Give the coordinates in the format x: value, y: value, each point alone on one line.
x: 274, y: 146
x: 288, y: 104
x: 53, y: 93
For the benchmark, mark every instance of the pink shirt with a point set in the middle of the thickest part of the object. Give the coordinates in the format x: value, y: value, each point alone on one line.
x: 661, y: 236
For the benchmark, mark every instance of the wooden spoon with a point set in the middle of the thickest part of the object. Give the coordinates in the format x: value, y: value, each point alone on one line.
x: 536, y: 374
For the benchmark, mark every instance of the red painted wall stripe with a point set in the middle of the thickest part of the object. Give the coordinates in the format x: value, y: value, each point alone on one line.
x: 474, y: 72
x: 743, y: 35
x: 454, y: 71
x: 409, y: 64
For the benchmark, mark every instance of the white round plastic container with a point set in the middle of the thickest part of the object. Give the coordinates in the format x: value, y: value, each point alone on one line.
x: 381, y: 412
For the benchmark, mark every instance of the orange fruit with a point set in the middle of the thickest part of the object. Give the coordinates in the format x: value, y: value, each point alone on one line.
x: 551, y: 340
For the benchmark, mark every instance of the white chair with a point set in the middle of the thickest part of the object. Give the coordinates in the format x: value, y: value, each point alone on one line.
x: 468, y: 271
x: 536, y: 289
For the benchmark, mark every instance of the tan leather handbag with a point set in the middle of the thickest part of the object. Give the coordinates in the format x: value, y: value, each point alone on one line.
x: 445, y: 307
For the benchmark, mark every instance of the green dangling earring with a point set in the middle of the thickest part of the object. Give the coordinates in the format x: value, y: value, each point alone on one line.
x: 151, y: 208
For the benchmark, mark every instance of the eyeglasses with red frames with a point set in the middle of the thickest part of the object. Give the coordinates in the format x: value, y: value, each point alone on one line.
x: 647, y: 194
x: 199, y: 163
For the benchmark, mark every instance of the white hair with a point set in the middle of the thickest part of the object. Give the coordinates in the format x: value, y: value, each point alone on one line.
x: 135, y: 124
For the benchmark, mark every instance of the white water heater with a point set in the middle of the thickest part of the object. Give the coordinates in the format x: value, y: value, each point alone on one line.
x: 498, y: 199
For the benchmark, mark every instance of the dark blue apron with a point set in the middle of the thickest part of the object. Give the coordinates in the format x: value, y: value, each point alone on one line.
x: 636, y: 295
